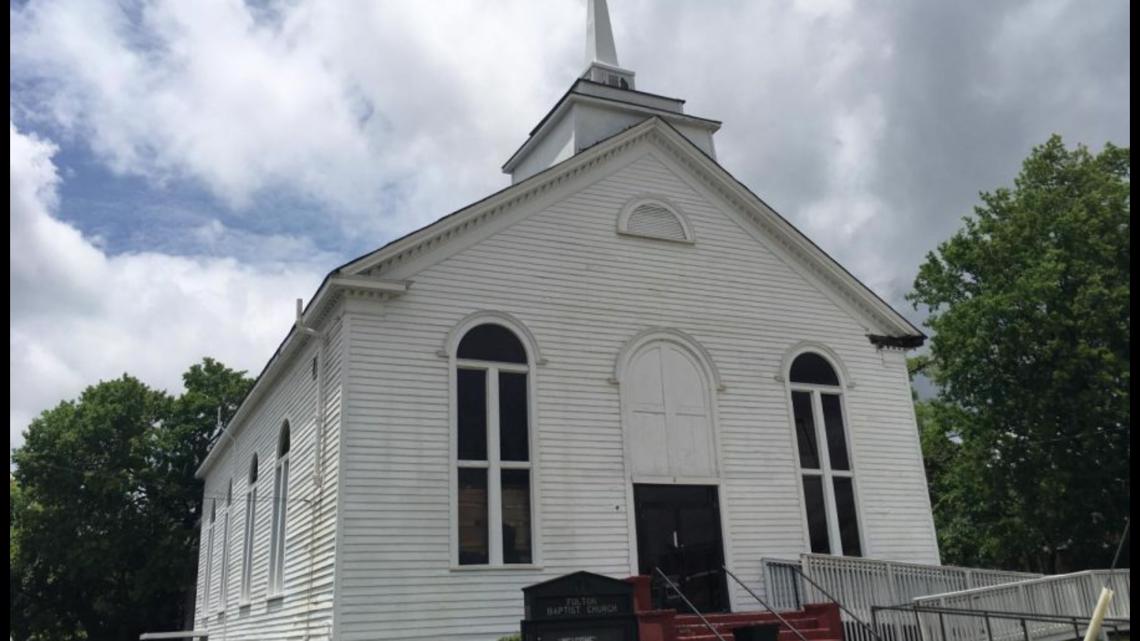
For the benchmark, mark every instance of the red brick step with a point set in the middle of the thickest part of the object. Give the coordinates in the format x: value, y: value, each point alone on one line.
x: 816, y: 622
x: 811, y: 629
x: 727, y: 637
x: 810, y: 626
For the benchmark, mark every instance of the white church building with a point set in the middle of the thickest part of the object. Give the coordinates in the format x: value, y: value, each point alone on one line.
x: 623, y: 361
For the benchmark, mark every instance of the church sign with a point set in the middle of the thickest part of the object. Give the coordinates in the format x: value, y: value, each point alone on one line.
x: 581, y: 606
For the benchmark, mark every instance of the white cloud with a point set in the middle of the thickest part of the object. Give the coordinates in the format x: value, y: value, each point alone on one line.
x: 386, y: 115
x: 79, y: 315
x: 215, y: 238
x: 872, y: 126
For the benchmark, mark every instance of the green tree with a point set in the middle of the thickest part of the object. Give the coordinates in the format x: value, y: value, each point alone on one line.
x: 212, y: 395
x: 1027, y: 444
x: 104, y: 507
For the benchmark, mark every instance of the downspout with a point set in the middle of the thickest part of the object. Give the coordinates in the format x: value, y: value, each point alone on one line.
x: 318, y: 466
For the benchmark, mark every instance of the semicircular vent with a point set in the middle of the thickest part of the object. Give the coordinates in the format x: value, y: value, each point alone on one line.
x: 655, y: 220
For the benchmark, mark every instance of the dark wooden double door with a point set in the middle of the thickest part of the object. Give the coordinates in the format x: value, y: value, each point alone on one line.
x: 678, y: 530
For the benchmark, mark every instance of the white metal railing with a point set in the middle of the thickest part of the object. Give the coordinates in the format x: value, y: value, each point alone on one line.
x: 931, y: 623
x: 860, y: 583
x: 767, y: 606
x: 783, y: 584
x: 1072, y: 594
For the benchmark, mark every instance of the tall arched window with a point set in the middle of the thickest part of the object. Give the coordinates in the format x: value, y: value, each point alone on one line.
x: 223, y: 588
x: 277, y: 525
x: 210, y: 556
x: 247, y: 536
x: 828, y: 478
x: 493, y: 448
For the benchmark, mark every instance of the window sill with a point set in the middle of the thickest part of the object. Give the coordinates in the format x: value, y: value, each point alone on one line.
x: 509, y: 567
x: 279, y: 596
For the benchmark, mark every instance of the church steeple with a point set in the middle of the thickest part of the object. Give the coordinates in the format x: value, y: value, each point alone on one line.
x: 601, y: 53
x: 601, y: 103
x: 599, y: 36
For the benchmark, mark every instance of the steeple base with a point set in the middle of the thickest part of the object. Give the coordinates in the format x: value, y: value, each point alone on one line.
x: 605, y: 74
x: 591, y: 112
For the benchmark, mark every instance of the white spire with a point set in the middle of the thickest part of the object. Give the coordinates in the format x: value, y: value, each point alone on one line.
x: 601, y: 102
x: 599, y: 36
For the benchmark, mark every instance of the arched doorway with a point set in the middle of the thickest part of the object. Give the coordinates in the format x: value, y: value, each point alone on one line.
x: 669, y: 421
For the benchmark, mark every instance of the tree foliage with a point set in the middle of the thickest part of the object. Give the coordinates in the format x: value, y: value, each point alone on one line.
x: 1027, y: 444
x: 104, y: 505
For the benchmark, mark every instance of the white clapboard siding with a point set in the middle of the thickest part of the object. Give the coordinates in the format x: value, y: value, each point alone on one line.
x: 583, y: 290
x: 304, y: 610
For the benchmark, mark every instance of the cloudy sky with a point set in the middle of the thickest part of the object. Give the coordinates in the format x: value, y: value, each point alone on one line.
x: 181, y: 171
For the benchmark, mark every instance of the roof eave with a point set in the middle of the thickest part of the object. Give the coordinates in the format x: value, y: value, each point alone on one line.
x: 497, y: 199
x: 891, y: 322
x: 902, y: 326
x: 333, y: 282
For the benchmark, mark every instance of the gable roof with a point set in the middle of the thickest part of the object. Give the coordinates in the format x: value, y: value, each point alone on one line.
x: 360, y: 274
x: 894, y: 329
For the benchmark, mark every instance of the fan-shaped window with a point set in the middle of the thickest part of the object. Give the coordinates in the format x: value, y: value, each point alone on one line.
x: 493, y: 507
x: 828, y: 477
x: 654, y: 219
x: 490, y: 342
x: 813, y: 369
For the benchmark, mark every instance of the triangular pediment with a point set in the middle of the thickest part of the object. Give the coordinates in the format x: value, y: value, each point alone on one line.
x: 403, y: 257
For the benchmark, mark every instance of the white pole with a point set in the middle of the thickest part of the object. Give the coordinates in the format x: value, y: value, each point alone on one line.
x: 1098, y: 614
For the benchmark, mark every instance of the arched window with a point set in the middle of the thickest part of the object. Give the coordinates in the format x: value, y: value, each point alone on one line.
x: 493, y: 509
x: 223, y: 589
x: 828, y: 478
x: 210, y: 557
x: 813, y: 369
x: 247, y: 536
x: 280, y: 503
x: 654, y: 218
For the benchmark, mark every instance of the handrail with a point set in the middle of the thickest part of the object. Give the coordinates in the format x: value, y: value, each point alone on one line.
x: 1049, y: 578
x: 764, y: 603
x: 922, y: 566
x: 1073, y: 593
x: 860, y: 583
x: 986, y: 615
x: 836, y: 601
x: 997, y: 614
x: 690, y: 604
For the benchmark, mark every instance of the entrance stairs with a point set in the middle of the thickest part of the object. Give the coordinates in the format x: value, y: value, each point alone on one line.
x: 816, y: 622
